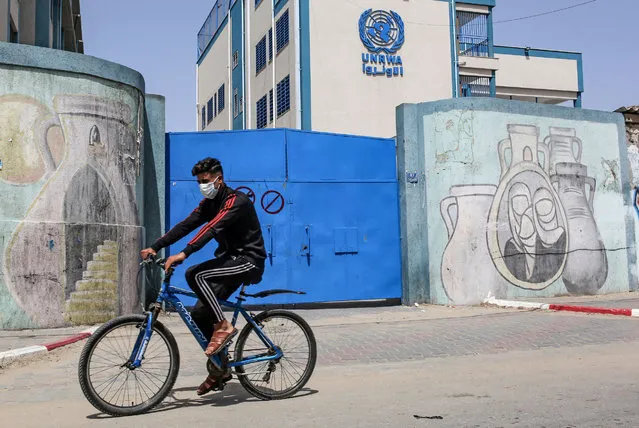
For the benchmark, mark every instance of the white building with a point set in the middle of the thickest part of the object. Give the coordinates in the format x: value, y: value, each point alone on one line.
x: 335, y: 66
x: 52, y: 24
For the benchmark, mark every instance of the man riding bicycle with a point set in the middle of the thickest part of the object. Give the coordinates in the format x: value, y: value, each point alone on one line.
x: 229, y: 217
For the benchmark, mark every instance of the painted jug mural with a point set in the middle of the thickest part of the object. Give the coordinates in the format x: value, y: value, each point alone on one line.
x: 70, y: 256
x: 535, y: 227
x: 465, y: 213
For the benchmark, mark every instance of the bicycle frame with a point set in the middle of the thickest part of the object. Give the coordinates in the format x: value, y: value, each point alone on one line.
x: 169, y: 293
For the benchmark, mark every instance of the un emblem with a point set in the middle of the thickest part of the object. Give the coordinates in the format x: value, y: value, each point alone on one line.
x: 381, y: 31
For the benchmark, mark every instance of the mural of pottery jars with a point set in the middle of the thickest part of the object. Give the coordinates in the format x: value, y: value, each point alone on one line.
x: 88, y: 200
x: 31, y: 143
x: 563, y: 146
x: 586, y: 267
x: 527, y: 227
x: 467, y: 272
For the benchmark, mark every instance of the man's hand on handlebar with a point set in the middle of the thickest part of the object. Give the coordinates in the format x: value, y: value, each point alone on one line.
x: 147, y: 252
x: 174, y: 261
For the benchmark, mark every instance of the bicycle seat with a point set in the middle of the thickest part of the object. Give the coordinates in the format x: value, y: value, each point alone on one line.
x: 253, y: 281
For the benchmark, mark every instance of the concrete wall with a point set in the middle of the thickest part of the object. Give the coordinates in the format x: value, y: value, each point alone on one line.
x: 631, y: 116
x: 522, y: 72
x: 513, y: 199
x: 154, y: 185
x: 71, y: 146
x: 338, y: 83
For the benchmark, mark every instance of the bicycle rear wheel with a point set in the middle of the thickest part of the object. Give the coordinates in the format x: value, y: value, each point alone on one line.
x: 272, y: 380
x: 112, y: 387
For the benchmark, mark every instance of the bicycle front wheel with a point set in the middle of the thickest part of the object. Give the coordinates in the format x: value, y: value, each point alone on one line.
x: 114, y: 388
x: 276, y: 379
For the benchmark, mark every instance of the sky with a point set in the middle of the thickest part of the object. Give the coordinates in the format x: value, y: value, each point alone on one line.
x: 158, y: 39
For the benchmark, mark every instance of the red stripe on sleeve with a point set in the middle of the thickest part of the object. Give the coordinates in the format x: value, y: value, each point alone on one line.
x: 216, y: 219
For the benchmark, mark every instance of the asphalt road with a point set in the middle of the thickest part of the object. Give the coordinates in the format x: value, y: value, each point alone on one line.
x: 524, y: 369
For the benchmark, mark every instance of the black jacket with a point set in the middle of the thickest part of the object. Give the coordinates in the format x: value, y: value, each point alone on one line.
x: 231, y: 219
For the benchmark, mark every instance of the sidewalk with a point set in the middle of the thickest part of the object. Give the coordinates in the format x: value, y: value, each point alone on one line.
x: 616, y: 300
x: 25, y: 344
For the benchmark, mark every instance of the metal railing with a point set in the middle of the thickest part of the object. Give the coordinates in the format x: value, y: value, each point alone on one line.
x: 212, y: 24
x: 472, y: 86
x: 472, y: 30
x: 473, y: 45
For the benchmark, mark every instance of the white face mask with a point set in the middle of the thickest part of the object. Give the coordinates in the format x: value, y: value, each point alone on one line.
x: 208, y: 190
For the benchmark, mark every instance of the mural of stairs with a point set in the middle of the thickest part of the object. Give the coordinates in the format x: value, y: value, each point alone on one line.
x: 95, y: 297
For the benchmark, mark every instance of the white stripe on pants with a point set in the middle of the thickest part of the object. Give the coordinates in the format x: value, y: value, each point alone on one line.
x: 201, y: 280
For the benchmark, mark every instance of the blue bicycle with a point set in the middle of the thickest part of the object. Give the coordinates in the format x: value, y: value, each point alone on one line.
x: 130, y: 364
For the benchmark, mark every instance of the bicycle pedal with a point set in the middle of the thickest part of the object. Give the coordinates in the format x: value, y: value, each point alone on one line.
x: 220, y: 385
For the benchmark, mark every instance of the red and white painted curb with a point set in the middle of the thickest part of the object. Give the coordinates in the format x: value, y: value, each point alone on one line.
x: 32, y: 351
x: 627, y: 312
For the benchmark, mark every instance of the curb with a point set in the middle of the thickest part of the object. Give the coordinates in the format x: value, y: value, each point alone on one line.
x: 627, y: 312
x: 32, y: 351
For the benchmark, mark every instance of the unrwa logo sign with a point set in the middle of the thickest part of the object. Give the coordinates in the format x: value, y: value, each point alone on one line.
x: 382, y: 33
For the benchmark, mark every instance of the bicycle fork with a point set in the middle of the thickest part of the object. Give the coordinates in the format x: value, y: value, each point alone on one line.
x: 135, y: 360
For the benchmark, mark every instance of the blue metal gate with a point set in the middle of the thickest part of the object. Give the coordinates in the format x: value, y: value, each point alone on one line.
x: 328, y: 205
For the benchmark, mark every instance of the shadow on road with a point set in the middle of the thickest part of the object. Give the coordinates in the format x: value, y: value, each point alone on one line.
x: 233, y: 394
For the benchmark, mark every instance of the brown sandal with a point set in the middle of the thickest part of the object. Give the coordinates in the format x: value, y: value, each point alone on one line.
x: 211, y: 384
x: 218, y: 341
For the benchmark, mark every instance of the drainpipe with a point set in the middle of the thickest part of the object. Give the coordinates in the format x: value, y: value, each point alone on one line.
x: 298, y: 78
x: 229, y: 65
x: 243, y: 96
x: 198, y: 119
x: 453, y: 14
x: 248, y: 103
x: 272, y: 47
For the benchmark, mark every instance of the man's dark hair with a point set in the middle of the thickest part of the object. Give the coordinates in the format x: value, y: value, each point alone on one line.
x: 211, y: 165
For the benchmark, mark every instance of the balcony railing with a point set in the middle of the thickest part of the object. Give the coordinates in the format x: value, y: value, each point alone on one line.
x: 472, y: 34
x: 212, y: 24
x: 473, y: 45
x: 472, y: 86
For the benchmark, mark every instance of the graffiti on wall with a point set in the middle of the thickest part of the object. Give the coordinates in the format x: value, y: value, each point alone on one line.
x: 534, y: 227
x: 68, y: 258
x: 632, y: 140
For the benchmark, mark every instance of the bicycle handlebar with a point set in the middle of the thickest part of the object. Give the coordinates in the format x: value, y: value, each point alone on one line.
x: 160, y: 261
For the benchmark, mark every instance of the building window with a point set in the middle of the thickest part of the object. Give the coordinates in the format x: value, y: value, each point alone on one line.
x: 220, y: 99
x: 283, y: 96
x: 236, y: 107
x: 215, y: 105
x: 270, y: 45
x: 241, y: 104
x: 261, y: 113
x: 13, y: 36
x: 260, y: 56
x: 257, y: 3
x: 473, y: 86
x: 270, y: 103
x: 203, y: 118
x: 209, y: 109
x: 472, y: 33
x: 281, y: 31
x: 236, y: 58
